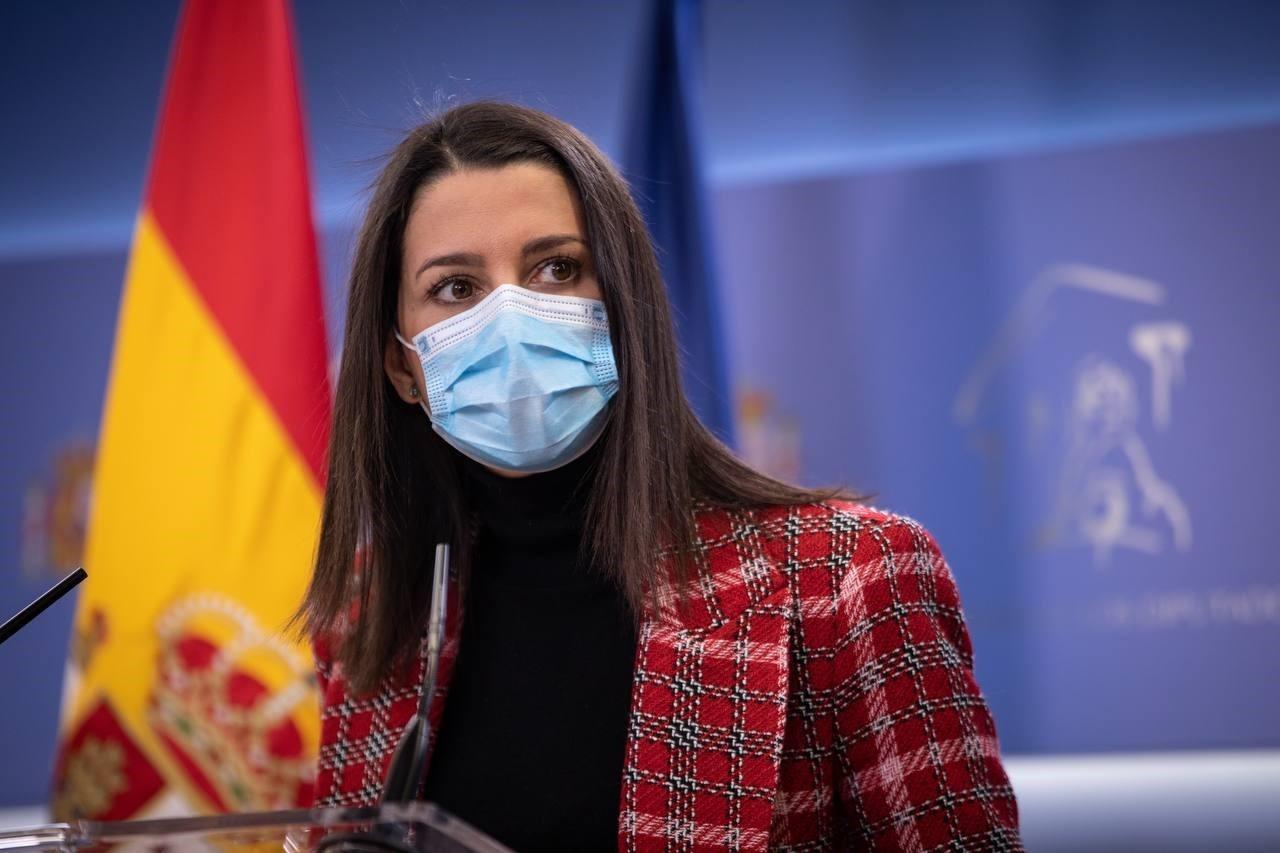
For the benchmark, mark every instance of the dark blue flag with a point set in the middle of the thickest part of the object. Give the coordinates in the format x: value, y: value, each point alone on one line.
x: 663, y: 163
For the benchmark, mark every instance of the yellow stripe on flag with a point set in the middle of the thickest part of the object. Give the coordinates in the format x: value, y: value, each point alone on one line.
x: 200, y: 544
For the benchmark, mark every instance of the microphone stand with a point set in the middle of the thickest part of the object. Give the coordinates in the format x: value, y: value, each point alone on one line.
x: 35, y: 608
x: 410, y: 758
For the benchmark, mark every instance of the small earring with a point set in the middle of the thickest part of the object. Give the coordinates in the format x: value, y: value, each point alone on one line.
x: 413, y: 390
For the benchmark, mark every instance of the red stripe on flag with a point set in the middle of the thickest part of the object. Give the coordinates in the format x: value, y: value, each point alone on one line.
x: 229, y: 189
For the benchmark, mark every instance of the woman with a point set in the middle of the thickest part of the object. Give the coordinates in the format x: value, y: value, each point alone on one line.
x: 654, y: 646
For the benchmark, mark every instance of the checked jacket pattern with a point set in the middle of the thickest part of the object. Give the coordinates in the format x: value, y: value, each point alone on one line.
x: 814, y: 691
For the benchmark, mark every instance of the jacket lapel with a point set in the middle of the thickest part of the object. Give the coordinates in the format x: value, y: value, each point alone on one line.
x: 708, y: 704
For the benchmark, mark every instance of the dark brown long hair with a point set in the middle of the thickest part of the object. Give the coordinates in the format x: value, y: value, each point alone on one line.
x: 394, y: 487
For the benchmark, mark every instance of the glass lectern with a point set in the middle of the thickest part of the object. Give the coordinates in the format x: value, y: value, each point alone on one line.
x: 402, y: 827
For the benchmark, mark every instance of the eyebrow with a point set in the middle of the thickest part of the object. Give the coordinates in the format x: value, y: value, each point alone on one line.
x: 470, y: 259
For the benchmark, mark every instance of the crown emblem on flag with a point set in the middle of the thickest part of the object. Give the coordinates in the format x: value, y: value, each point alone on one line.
x: 227, y: 704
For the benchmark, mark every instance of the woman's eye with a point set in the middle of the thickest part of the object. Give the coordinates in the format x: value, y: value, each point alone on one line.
x: 453, y: 290
x: 559, y: 270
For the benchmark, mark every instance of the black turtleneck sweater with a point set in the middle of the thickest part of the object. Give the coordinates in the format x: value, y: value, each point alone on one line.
x: 534, y: 730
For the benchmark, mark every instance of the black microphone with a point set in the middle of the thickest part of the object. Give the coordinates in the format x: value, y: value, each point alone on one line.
x: 35, y: 608
x: 410, y: 757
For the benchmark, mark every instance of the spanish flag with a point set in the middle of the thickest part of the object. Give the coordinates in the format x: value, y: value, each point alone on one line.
x: 184, y: 695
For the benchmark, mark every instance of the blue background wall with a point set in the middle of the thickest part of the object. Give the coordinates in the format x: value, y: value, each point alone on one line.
x: 891, y: 181
x: 867, y: 304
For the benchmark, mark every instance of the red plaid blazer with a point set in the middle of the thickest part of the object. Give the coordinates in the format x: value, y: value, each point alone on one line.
x: 815, y: 693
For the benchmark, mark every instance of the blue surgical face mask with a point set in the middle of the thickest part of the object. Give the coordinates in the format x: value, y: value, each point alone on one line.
x: 521, y: 380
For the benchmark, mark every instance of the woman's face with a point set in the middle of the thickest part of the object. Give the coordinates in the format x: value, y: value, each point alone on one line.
x: 475, y: 229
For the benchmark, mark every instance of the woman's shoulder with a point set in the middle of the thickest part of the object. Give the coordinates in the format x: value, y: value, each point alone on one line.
x: 843, y: 552
x: 793, y: 535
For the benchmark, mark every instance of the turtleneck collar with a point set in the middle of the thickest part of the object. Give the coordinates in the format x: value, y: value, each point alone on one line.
x: 535, y: 510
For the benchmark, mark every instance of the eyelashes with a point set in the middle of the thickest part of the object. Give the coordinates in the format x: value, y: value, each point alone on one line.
x: 576, y: 267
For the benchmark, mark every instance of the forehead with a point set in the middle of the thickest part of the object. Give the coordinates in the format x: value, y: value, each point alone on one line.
x: 483, y: 210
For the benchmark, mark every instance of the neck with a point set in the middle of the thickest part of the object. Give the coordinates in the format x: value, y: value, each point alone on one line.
x: 534, y: 510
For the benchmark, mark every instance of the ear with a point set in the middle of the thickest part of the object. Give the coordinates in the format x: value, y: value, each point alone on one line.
x: 403, y: 370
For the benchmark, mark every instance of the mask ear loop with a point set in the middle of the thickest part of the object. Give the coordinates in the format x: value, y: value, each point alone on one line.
x: 422, y: 403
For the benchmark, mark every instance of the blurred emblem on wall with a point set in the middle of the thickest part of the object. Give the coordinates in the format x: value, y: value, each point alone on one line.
x: 1088, y: 425
x: 56, y: 512
x: 769, y: 439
